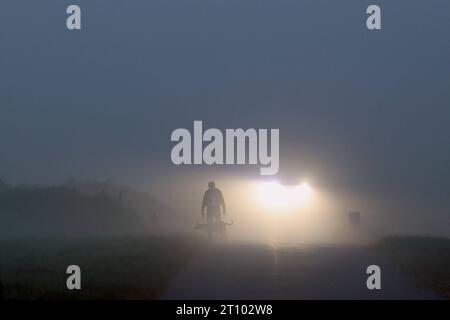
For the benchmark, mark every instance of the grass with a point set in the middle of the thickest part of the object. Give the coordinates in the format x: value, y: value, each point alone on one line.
x: 125, y: 267
x: 427, y: 259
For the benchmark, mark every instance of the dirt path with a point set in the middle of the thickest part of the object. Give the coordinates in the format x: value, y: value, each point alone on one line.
x: 233, y: 271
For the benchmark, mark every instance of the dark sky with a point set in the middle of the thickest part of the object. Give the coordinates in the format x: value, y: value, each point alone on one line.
x: 357, y: 110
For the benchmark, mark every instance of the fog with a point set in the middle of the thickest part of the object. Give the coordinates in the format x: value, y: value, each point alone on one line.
x: 363, y: 117
x: 323, y: 218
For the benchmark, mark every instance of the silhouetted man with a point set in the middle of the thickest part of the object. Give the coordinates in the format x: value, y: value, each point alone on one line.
x: 212, y: 201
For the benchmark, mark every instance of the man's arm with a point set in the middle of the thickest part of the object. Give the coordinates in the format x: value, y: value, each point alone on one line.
x: 222, y: 202
x: 203, y: 205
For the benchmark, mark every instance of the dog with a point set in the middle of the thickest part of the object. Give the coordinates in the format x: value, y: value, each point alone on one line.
x: 218, y: 227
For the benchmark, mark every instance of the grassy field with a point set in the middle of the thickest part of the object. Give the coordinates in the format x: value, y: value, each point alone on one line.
x: 427, y: 259
x: 125, y: 267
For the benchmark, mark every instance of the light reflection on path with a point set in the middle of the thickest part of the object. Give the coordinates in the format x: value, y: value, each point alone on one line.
x: 249, y: 271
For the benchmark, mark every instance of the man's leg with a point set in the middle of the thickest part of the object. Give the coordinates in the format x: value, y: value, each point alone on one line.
x: 209, y: 222
x: 217, y: 215
x: 209, y: 217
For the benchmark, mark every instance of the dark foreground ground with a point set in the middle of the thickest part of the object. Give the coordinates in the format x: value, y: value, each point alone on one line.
x: 183, y: 267
x: 126, y: 267
x: 236, y: 271
x: 425, y: 259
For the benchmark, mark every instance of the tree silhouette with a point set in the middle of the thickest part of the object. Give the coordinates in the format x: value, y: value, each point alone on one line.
x: 3, y: 185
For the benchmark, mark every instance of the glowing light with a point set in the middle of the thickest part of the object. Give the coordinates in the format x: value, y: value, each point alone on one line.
x: 273, y: 195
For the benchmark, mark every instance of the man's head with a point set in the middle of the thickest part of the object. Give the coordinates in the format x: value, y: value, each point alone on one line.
x: 211, y: 185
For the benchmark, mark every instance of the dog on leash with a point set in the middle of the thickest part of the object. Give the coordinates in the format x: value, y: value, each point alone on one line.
x: 217, y: 227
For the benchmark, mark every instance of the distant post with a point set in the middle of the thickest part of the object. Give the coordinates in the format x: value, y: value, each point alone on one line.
x: 354, y: 219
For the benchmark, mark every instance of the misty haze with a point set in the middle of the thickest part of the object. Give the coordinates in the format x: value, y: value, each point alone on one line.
x: 87, y: 177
